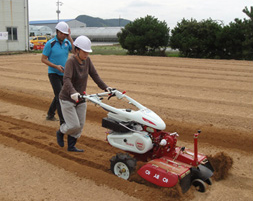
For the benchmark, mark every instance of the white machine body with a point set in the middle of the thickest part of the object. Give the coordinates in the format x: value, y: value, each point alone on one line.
x: 143, y: 115
x: 136, y: 142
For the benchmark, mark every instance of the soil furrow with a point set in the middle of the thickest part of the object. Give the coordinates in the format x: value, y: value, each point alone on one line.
x: 169, y: 70
x: 95, y: 114
x: 189, y: 76
x: 169, y: 83
x: 54, y: 150
x: 195, y: 64
x: 8, y: 96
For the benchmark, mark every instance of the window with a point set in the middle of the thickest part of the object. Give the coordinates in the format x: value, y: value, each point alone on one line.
x: 12, y: 33
x: 42, y: 38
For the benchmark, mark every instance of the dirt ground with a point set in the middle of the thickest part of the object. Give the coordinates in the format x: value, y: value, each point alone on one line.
x: 215, y: 96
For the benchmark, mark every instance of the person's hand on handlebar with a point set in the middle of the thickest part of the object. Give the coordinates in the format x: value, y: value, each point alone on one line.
x: 75, y: 96
x: 109, y: 89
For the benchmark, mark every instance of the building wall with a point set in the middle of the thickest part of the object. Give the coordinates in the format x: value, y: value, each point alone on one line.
x: 97, y: 34
x: 14, y: 18
x: 52, y: 23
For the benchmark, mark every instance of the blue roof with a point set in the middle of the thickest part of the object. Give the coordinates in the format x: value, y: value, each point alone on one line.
x: 48, y: 21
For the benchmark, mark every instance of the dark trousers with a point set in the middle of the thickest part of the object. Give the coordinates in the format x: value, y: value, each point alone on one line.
x: 56, y: 82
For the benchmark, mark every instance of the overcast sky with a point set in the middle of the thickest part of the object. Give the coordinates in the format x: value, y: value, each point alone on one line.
x: 165, y: 10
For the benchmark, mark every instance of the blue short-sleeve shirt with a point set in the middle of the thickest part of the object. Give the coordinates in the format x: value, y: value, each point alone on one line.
x: 57, y: 53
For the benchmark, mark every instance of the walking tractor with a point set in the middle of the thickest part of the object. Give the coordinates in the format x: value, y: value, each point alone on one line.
x: 141, y: 132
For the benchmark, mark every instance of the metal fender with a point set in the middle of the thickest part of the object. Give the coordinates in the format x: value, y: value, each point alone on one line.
x: 158, y: 176
x: 201, y: 172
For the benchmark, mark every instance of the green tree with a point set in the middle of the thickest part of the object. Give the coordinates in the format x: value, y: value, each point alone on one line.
x: 248, y: 30
x: 209, y: 39
x: 248, y: 13
x: 236, y: 39
x: 196, y: 39
x: 145, y: 36
x: 231, y: 39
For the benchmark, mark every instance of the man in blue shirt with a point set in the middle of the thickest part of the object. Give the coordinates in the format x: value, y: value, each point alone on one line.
x: 55, y: 55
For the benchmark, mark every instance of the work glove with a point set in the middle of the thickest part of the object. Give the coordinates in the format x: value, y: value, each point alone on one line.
x: 109, y: 89
x: 75, y: 97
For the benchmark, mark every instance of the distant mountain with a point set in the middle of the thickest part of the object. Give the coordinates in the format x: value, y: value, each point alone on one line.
x: 98, y: 22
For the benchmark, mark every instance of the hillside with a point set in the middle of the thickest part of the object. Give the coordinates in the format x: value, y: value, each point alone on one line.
x: 99, y: 22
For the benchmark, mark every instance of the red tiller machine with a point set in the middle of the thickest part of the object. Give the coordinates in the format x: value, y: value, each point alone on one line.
x: 140, y: 132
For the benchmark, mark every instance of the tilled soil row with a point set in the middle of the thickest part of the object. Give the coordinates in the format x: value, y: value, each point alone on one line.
x: 216, y: 136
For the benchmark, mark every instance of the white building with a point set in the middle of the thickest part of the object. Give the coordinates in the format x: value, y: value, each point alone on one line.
x: 73, y: 23
x: 14, y: 23
x: 40, y: 31
x: 101, y: 34
x: 97, y: 34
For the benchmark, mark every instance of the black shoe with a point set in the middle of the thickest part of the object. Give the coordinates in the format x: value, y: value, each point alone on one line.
x: 74, y: 149
x: 51, y: 118
x: 59, y: 136
x: 72, y: 143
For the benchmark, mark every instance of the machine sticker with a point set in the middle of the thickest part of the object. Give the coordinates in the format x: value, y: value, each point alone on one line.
x: 157, y: 176
x: 140, y: 144
x: 129, y: 144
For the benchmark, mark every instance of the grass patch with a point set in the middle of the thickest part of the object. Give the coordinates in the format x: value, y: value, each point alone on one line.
x: 108, y: 50
x: 172, y: 54
x: 118, y: 50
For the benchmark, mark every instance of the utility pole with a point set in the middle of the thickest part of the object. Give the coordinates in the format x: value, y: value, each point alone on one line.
x: 58, y: 3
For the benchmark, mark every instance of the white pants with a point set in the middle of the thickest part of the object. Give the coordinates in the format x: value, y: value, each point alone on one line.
x: 74, y: 116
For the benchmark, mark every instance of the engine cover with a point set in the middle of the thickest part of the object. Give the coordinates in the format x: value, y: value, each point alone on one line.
x: 136, y: 142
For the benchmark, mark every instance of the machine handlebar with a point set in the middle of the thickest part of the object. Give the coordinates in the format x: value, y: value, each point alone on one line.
x: 97, y: 98
x: 109, y: 94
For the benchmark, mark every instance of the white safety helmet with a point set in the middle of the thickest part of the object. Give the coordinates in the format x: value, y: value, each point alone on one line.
x: 83, y: 43
x: 62, y: 27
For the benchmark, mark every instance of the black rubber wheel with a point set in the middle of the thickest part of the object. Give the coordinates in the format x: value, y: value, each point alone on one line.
x: 123, y: 165
x: 199, y: 185
x: 209, y: 181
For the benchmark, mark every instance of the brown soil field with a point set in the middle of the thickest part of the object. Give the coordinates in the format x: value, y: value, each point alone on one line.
x: 215, y: 96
